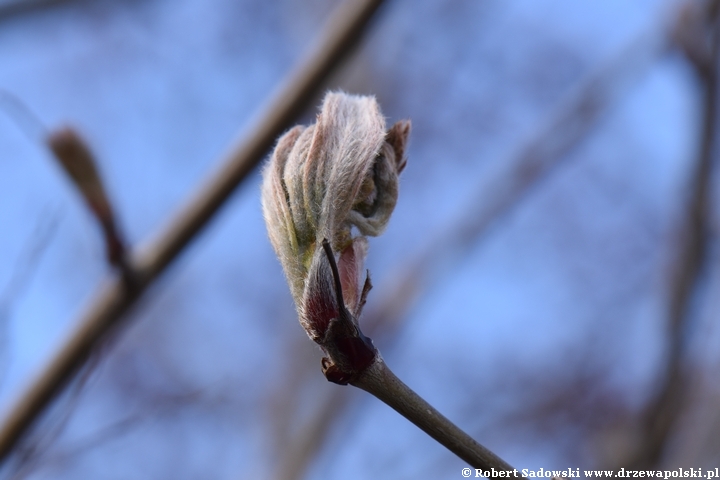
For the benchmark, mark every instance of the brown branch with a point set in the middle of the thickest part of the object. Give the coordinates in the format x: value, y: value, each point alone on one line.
x: 115, y: 298
x: 381, y: 382
x: 663, y: 411
x: 351, y: 358
x: 75, y: 157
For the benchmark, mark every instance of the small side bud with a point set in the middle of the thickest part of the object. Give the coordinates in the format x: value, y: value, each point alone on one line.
x: 76, y: 159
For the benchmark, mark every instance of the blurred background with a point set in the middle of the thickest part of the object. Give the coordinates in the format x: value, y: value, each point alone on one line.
x: 548, y: 280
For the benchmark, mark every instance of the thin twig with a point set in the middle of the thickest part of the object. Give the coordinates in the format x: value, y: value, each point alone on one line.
x: 28, y: 123
x: 115, y: 298
x: 38, y: 443
x: 12, y: 9
x: 381, y: 382
x: 40, y: 456
x: 304, y: 446
x: 663, y: 410
x: 20, y: 279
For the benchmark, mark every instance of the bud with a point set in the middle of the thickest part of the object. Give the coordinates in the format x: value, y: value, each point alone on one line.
x: 335, y: 180
x: 78, y: 162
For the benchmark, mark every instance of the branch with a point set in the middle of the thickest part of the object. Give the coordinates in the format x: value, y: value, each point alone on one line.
x: 12, y: 9
x: 23, y: 272
x: 698, y: 26
x: 74, y: 156
x: 353, y: 359
x: 381, y: 382
x: 115, y: 298
x: 304, y: 445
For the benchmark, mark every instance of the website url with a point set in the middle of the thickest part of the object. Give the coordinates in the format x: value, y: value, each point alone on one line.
x: 707, y: 474
x: 664, y: 474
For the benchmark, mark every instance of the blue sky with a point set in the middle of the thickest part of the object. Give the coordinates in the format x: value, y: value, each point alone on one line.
x: 571, y: 276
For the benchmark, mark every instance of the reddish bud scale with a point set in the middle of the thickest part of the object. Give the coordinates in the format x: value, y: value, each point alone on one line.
x: 349, y: 352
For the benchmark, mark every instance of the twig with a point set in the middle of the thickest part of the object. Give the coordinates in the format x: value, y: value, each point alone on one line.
x: 38, y: 443
x: 352, y: 358
x: 305, y: 444
x: 75, y: 157
x: 381, y: 382
x: 12, y: 9
x: 20, y: 279
x: 663, y: 410
x: 114, y: 299
x: 28, y: 123
x: 41, y: 456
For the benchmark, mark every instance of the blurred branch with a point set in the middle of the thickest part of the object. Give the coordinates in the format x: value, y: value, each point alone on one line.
x: 115, y: 298
x: 698, y: 36
x: 22, y: 274
x: 39, y: 442
x: 495, y: 195
x: 304, y: 446
x: 564, y: 130
x: 28, y: 123
x: 13, y: 7
x: 78, y: 162
x: 39, y: 455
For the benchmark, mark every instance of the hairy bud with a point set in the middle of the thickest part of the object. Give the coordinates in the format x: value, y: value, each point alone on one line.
x: 335, y: 180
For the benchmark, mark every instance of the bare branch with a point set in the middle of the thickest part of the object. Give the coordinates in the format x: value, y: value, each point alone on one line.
x: 115, y: 298
x: 379, y: 380
x: 699, y: 36
x: 304, y: 446
x: 39, y: 442
x: 13, y: 8
x: 28, y: 123
x: 22, y: 275
x: 74, y: 156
